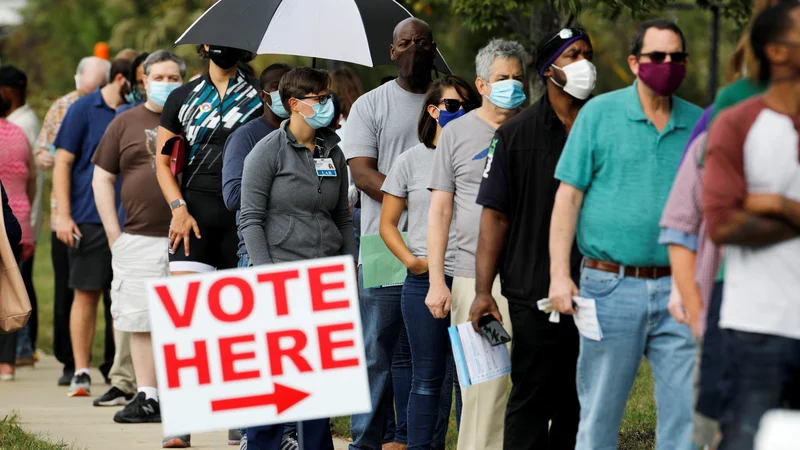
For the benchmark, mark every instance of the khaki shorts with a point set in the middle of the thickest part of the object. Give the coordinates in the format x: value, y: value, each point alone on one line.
x: 135, y: 259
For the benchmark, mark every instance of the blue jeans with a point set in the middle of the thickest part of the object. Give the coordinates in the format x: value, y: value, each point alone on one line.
x: 244, y: 261
x: 316, y: 435
x: 430, y: 347
x: 764, y: 371
x: 382, y: 321
x: 635, y: 322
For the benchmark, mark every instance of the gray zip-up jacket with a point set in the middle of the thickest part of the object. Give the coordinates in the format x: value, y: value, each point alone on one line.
x: 288, y: 212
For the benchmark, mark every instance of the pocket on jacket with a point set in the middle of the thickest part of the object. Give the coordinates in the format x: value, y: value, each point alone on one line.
x: 279, y: 228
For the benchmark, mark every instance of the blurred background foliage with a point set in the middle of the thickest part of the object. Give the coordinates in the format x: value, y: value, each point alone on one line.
x: 55, y: 34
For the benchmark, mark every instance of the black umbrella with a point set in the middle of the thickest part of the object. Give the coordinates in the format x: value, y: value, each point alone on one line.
x: 357, y: 31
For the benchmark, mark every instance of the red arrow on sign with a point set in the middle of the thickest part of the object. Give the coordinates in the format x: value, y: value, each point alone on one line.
x: 283, y: 398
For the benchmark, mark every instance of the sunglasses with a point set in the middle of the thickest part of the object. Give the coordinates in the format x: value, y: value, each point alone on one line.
x: 452, y: 105
x: 321, y: 99
x: 660, y: 57
x: 567, y: 33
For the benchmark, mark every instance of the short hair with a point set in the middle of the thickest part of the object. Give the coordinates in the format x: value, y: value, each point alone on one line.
x: 768, y: 27
x: 426, y: 128
x: 119, y: 67
x: 659, y: 24
x: 262, y: 80
x: 498, y: 48
x: 337, y: 110
x: 160, y: 56
x: 85, y: 62
x: 405, y: 22
x: 301, y: 82
x: 128, y: 53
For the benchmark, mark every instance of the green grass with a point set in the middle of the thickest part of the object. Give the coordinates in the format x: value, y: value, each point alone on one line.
x: 12, y: 437
x: 636, y: 433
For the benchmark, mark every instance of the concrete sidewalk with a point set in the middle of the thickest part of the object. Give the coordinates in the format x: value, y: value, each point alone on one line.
x: 45, y: 409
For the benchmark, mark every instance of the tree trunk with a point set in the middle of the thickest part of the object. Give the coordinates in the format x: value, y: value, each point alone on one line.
x: 544, y: 19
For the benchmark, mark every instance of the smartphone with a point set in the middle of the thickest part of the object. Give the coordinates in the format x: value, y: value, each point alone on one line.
x: 493, y: 331
x: 77, y: 240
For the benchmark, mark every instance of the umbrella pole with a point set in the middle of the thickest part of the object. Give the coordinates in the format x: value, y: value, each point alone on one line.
x: 300, y: 423
x: 314, y: 63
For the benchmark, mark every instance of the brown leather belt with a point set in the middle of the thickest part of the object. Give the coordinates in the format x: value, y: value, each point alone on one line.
x: 653, y: 273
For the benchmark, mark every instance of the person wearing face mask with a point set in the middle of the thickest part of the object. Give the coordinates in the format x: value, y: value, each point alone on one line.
x: 517, y: 195
x: 405, y: 188
x: 464, y: 148
x: 79, y: 225
x: 138, y: 93
x: 616, y: 172
x: 127, y: 151
x: 378, y: 131
x: 293, y: 207
x: 204, y: 112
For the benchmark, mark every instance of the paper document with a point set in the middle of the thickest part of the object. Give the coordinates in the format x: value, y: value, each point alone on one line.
x: 545, y: 306
x: 379, y: 266
x: 586, y: 318
x: 476, y: 360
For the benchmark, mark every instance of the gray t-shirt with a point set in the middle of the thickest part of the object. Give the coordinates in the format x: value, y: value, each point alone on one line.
x: 409, y: 179
x: 382, y: 125
x: 458, y: 166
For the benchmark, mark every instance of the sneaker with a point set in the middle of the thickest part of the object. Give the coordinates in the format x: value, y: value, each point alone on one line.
x: 289, y: 443
x: 66, y: 377
x: 140, y: 410
x: 234, y: 437
x: 24, y: 361
x: 81, y: 386
x: 177, y: 442
x: 243, y: 443
x: 114, y: 397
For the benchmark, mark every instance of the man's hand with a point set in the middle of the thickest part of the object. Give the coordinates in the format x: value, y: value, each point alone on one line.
x: 66, y: 227
x: 418, y: 266
x: 675, y: 306
x: 438, y: 300
x: 693, y: 311
x: 44, y: 160
x: 562, y: 289
x: 27, y: 251
x: 764, y: 204
x: 181, y: 226
x: 482, y: 305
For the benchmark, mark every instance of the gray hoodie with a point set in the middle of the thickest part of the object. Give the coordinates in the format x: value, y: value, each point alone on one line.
x: 288, y: 212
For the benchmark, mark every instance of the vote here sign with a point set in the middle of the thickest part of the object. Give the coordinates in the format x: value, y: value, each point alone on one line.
x: 258, y: 346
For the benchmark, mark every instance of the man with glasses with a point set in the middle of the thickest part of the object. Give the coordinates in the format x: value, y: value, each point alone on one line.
x: 616, y: 171
x: 517, y: 195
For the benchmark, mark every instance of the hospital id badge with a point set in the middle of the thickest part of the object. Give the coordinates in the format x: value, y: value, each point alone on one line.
x: 324, y: 167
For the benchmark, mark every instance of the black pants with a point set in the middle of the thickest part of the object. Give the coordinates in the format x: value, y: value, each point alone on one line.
x: 62, y: 305
x: 26, y: 268
x: 543, y: 365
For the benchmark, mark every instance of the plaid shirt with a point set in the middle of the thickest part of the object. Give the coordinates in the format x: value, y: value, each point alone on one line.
x: 52, y: 123
x: 684, y: 212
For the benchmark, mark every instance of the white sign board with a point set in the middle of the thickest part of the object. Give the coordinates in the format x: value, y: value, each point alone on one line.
x: 258, y: 346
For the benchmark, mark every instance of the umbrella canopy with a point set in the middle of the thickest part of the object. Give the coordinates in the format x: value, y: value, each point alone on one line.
x: 357, y: 31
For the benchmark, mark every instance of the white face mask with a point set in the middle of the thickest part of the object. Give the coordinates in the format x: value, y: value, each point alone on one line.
x: 581, y: 77
x: 78, y: 82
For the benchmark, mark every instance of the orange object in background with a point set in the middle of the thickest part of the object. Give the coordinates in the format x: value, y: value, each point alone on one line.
x: 101, y: 50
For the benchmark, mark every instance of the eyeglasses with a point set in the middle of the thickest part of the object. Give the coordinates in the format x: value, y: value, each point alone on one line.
x: 452, y: 105
x: 660, y: 57
x: 567, y: 33
x: 321, y: 99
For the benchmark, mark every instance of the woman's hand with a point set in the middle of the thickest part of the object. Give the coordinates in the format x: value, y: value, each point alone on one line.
x: 417, y: 266
x: 180, y: 228
x: 438, y: 300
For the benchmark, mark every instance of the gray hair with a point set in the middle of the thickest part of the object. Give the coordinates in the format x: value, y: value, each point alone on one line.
x: 498, y: 48
x: 92, y: 60
x: 159, y: 56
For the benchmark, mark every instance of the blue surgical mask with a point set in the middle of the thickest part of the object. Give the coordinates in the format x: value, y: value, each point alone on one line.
x: 507, y: 94
x: 277, y: 105
x: 133, y: 97
x: 160, y: 90
x: 323, y: 114
x: 446, y: 116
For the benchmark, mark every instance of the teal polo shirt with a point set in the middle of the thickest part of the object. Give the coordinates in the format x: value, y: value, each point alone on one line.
x: 625, y: 169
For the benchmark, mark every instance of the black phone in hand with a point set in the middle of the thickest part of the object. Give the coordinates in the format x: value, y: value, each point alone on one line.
x: 493, y: 331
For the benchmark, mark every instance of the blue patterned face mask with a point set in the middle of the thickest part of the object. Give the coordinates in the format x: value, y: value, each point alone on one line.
x: 507, y: 94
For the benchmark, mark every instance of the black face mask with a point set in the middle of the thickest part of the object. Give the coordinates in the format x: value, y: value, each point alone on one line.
x: 415, y: 64
x: 224, y: 57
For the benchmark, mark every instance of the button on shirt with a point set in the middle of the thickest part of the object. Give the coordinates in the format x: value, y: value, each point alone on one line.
x: 625, y: 168
x: 80, y: 134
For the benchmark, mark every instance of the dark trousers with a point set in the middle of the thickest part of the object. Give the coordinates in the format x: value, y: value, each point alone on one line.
x: 543, y: 372
x: 62, y: 305
x: 764, y: 371
x: 31, y: 329
x: 316, y: 436
x: 713, y: 361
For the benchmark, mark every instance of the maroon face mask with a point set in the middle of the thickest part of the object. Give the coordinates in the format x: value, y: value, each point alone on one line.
x: 664, y: 79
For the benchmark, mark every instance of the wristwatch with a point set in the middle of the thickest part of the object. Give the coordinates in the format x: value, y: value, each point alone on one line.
x: 177, y: 204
